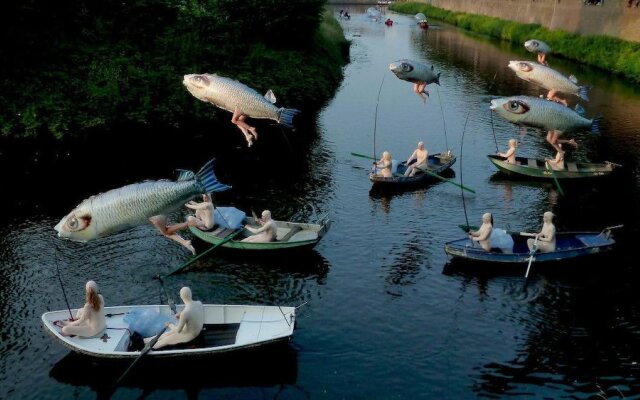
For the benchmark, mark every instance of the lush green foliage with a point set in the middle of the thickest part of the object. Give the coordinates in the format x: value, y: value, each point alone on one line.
x: 609, y: 53
x: 73, y: 66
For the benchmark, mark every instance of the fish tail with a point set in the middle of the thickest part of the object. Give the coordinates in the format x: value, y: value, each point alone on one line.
x: 438, y: 78
x: 207, y: 178
x: 286, y: 115
x: 583, y: 92
x: 595, y: 124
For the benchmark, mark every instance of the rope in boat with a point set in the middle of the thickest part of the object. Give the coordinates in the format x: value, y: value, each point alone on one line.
x: 444, y: 125
x: 375, y: 120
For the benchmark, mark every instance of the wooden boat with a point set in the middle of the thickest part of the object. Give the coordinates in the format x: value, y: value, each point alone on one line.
x: 226, y: 328
x: 436, y: 164
x: 538, y: 169
x: 569, y: 245
x: 291, y: 235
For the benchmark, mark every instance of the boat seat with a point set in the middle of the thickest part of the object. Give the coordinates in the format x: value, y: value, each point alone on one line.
x: 292, y: 231
x: 212, y: 335
x: 571, y: 166
x: 532, y: 162
x: 222, y: 232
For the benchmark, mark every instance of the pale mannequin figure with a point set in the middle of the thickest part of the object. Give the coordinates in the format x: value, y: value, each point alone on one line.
x: 266, y: 233
x: 554, y: 140
x: 483, y: 234
x: 542, y: 58
x: 249, y: 131
x: 419, y: 88
x: 161, y: 224
x: 204, y: 218
x: 383, y: 167
x: 547, y: 235
x: 420, y: 154
x: 90, y: 319
x: 510, y: 155
x: 556, y: 163
x: 191, y: 321
x: 552, y: 96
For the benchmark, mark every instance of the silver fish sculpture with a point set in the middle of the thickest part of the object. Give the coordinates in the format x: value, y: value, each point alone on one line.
x: 132, y: 205
x: 420, y: 17
x: 544, y: 114
x: 238, y: 98
x: 537, y: 46
x: 414, y: 72
x: 549, y: 78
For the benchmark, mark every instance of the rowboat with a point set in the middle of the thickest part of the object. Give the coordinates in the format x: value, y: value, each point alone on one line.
x: 290, y: 235
x: 226, y: 328
x: 538, y: 169
x: 569, y: 245
x: 436, y: 165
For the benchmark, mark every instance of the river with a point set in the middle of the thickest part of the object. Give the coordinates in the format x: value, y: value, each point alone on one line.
x: 388, y: 316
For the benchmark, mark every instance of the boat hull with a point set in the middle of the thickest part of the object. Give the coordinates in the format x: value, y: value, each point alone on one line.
x: 534, y: 168
x: 568, y: 246
x: 437, y: 164
x: 244, y: 327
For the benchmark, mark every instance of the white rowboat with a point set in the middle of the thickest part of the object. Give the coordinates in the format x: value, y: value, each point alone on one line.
x: 226, y: 328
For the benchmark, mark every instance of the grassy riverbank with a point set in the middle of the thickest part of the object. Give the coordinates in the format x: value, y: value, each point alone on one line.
x: 609, y: 53
x: 75, y: 69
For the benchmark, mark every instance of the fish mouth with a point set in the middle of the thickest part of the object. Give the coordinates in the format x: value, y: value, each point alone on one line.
x: 493, y: 105
x: 512, y: 64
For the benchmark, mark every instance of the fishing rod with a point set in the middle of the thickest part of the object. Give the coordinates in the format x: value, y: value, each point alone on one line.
x: 64, y: 293
x: 464, y: 205
x: 375, y: 120
x: 491, y: 113
x: 444, y: 125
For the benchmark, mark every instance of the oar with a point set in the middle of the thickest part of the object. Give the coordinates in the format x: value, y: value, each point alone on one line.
x: 209, y: 250
x: 426, y: 172
x: 553, y: 174
x: 533, y: 251
x: 147, y: 348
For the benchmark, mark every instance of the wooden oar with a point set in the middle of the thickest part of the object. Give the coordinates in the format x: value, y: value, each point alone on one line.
x: 426, y: 172
x: 147, y: 348
x: 553, y: 174
x: 533, y: 251
x: 209, y: 250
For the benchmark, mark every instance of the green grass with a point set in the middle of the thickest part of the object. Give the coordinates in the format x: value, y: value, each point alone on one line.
x: 611, y: 54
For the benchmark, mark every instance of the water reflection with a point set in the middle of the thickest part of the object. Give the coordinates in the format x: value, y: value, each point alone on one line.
x: 274, y: 369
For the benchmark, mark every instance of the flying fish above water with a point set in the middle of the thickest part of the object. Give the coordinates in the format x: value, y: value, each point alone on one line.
x: 548, y: 78
x: 238, y: 98
x: 132, y: 205
x: 417, y: 73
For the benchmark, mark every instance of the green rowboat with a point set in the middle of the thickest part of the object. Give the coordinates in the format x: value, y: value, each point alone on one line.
x: 291, y: 235
x: 535, y: 168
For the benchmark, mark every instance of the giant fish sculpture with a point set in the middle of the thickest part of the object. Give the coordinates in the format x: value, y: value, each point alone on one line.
x: 541, y: 113
x: 538, y: 47
x: 549, y: 78
x: 417, y: 73
x: 240, y: 99
x: 135, y: 204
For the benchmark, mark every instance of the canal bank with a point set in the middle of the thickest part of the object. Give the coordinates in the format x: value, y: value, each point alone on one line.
x: 610, y: 53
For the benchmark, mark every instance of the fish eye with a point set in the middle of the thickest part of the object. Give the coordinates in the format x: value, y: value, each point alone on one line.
x: 516, y: 107
x: 406, y: 67
x: 524, y: 67
x: 75, y: 224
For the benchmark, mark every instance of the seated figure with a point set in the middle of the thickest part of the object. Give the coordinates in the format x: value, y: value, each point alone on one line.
x: 191, y: 323
x: 483, y: 234
x: 383, y: 167
x: 546, y: 238
x: 267, y: 233
x: 510, y: 155
x: 205, y: 213
x: 90, y: 319
x: 420, y: 155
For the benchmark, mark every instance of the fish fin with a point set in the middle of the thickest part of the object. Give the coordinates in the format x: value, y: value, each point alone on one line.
x: 438, y: 78
x: 595, y: 124
x: 270, y: 97
x: 207, y: 178
x: 185, y: 175
x: 573, y: 79
x: 286, y: 115
x: 583, y: 92
x: 580, y: 110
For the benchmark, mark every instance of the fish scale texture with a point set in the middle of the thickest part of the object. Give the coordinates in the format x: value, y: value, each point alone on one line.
x: 549, y: 79
x: 228, y: 94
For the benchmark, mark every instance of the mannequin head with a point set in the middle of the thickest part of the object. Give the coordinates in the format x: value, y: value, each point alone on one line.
x: 547, y: 217
x: 185, y: 294
x: 266, y: 215
x: 91, y: 295
x: 487, y: 218
x: 386, y: 156
x: 513, y: 143
x: 421, y: 145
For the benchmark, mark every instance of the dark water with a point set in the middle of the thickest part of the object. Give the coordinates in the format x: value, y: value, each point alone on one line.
x: 388, y: 315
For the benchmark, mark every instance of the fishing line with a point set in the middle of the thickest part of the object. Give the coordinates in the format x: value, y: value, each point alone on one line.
x: 60, y: 279
x: 444, y: 125
x: 464, y: 205
x: 375, y: 120
x: 491, y: 113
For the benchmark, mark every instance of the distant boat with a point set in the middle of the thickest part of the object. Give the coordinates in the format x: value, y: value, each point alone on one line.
x: 226, y: 328
x: 422, y: 20
x: 569, y: 245
x: 291, y: 235
x: 385, y: 2
x: 536, y: 168
x: 437, y: 164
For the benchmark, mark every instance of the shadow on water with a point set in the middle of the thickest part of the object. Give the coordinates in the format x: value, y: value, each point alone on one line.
x: 274, y: 367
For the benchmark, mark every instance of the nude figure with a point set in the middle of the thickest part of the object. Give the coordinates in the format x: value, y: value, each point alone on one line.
x: 191, y: 321
x: 267, y: 233
x: 483, y: 234
x: 552, y: 96
x: 420, y: 154
x: 554, y: 140
x: 420, y: 88
x: 383, y: 167
x: 205, y: 213
x: 557, y: 163
x: 90, y: 319
x: 510, y: 155
x: 249, y: 131
x: 161, y: 224
x: 546, y: 237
